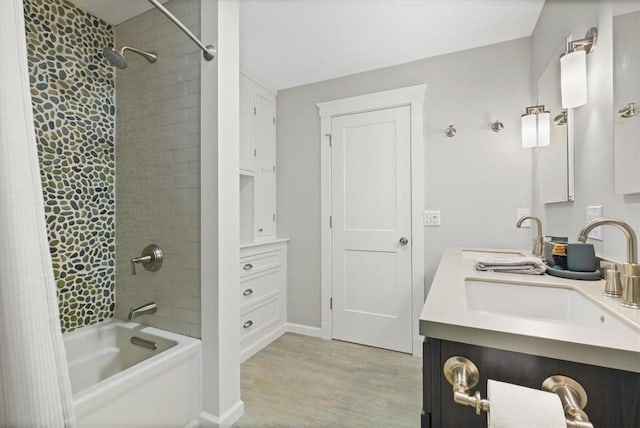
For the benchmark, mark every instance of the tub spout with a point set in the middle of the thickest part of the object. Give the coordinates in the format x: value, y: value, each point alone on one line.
x: 148, y: 308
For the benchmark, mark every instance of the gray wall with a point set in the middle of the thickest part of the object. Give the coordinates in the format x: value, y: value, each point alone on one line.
x: 593, y: 125
x: 477, y: 179
x: 158, y: 168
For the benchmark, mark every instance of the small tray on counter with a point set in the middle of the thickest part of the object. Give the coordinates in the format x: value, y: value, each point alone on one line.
x: 569, y: 274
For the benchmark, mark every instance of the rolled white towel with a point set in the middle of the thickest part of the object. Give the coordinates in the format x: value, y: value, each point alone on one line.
x: 524, y: 265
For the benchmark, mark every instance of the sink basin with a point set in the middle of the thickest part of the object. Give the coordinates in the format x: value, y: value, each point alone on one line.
x: 554, y: 305
x: 483, y: 254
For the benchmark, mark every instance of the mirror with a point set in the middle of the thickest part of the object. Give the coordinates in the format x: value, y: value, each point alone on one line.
x: 555, y: 163
x: 626, y: 102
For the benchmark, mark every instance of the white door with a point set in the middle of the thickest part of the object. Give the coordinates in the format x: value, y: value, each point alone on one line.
x: 371, y: 214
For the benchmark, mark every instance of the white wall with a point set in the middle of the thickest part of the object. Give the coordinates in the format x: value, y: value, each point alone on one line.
x: 593, y: 125
x: 477, y: 179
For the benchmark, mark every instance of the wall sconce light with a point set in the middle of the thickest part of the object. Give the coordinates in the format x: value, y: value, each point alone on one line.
x: 497, y: 126
x: 536, y: 127
x: 573, y: 70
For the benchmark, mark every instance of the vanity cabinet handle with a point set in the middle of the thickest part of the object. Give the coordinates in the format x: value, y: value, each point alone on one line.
x: 247, y: 292
x: 247, y: 324
x: 248, y: 266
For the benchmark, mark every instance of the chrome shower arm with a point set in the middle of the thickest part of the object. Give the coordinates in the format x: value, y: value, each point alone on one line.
x: 208, y: 52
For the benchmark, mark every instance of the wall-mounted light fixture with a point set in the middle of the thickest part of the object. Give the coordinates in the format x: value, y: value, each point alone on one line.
x: 536, y: 127
x: 573, y: 70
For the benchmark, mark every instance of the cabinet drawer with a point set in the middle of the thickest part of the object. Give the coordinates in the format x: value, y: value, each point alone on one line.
x: 255, y: 287
x: 259, y: 262
x: 263, y: 316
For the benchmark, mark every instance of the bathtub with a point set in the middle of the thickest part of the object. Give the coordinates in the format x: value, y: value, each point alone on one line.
x: 124, y: 374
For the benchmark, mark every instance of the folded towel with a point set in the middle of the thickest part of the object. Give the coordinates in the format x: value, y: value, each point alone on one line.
x: 524, y: 265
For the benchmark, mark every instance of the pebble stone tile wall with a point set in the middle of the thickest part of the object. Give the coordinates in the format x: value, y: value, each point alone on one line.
x: 72, y: 89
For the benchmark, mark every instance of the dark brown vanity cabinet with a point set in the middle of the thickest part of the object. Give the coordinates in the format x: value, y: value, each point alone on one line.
x: 613, y: 395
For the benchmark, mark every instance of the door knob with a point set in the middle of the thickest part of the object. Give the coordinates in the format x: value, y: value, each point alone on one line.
x: 403, y: 241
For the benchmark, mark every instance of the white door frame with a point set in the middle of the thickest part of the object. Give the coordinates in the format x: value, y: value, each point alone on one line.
x: 413, y: 96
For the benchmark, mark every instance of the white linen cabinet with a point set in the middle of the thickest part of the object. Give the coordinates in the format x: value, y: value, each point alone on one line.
x: 257, y: 162
x: 263, y: 256
x: 263, y: 295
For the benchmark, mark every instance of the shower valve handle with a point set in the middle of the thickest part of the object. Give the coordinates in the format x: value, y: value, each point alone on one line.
x: 145, y: 259
x: 151, y: 259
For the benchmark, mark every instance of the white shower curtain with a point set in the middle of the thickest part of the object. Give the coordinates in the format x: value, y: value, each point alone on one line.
x: 34, y: 380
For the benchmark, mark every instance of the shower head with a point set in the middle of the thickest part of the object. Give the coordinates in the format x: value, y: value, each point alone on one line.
x: 117, y: 59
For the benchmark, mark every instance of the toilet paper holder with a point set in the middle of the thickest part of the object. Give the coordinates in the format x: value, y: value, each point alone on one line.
x: 463, y: 375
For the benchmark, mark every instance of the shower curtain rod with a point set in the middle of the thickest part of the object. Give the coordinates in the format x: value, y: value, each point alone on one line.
x: 208, y: 52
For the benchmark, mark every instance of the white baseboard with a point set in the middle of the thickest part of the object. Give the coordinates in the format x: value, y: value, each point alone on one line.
x: 326, y: 330
x: 193, y: 424
x: 250, y: 350
x: 417, y: 346
x: 226, y: 420
x: 304, y: 329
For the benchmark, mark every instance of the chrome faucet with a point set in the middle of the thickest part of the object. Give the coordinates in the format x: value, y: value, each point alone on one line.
x: 148, y: 308
x: 632, y: 240
x: 537, y: 241
x: 631, y: 269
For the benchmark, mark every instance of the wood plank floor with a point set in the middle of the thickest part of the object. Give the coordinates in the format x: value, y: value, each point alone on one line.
x: 301, y: 381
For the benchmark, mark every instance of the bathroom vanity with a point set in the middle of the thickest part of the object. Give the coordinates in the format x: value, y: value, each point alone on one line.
x: 522, y: 329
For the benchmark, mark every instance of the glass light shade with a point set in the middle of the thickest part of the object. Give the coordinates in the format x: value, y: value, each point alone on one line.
x: 529, y: 131
x: 544, y: 129
x: 573, y: 79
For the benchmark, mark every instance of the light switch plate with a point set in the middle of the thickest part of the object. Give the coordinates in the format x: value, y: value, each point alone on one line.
x: 594, y: 212
x: 432, y: 218
x: 522, y: 212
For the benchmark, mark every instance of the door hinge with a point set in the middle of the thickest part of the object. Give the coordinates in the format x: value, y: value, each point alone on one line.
x: 254, y: 111
x: 330, y: 221
x: 274, y: 217
x: 274, y: 169
x: 330, y: 302
x: 274, y: 120
x: 330, y: 143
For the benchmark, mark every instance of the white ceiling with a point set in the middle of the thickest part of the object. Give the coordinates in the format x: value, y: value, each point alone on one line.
x: 286, y: 43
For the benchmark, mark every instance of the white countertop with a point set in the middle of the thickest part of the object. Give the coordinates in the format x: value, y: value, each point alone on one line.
x: 445, y: 316
x: 259, y: 243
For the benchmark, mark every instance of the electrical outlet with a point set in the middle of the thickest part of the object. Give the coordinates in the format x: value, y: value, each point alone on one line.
x: 523, y: 212
x: 432, y: 218
x: 594, y: 212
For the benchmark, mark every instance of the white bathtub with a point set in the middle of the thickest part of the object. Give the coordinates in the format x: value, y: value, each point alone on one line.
x: 117, y: 383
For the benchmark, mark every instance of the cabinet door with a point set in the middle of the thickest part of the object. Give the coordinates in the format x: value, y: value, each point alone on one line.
x: 247, y: 148
x: 265, y: 141
x: 266, y: 203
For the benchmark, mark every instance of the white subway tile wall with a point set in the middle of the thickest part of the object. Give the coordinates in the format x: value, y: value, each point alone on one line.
x: 158, y: 168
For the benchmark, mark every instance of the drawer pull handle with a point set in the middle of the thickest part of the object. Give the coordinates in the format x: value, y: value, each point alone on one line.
x: 248, y: 266
x: 247, y: 324
x: 247, y: 292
